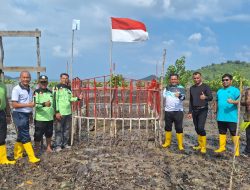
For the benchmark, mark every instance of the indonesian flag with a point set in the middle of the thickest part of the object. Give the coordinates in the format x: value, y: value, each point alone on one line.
x: 128, y: 30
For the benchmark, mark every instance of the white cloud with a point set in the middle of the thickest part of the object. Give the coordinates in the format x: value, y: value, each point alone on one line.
x: 209, y: 49
x: 168, y: 42
x: 139, y: 3
x: 58, y: 51
x: 244, y: 54
x: 204, y: 9
x: 166, y: 4
x: 195, y: 38
x: 237, y: 17
x: 209, y: 36
x: 187, y: 54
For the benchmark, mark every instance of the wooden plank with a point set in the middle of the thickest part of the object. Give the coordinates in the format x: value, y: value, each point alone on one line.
x: 19, y: 69
x: 36, y: 33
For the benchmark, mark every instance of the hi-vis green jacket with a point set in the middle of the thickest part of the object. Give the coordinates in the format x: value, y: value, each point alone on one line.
x: 43, y: 113
x: 63, y: 98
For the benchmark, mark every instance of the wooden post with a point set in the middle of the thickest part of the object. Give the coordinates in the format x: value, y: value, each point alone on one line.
x: 37, y: 35
x: 1, y: 57
x: 38, y: 55
x: 161, y: 91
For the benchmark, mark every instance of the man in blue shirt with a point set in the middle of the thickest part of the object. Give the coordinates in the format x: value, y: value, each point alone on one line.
x: 174, y: 95
x: 227, y: 113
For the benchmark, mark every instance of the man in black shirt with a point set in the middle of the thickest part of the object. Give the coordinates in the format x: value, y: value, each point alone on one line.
x: 200, y: 94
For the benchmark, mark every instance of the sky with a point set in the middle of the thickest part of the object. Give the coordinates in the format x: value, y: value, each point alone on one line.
x: 204, y: 31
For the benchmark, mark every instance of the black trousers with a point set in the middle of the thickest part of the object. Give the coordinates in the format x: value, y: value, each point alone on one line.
x: 175, y: 117
x: 223, y: 126
x: 43, y: 128
x: 248, y: 140
x: 3, y: 127
x: 199, y: 120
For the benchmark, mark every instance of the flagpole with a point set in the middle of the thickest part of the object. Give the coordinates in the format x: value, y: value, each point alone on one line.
x: 72, y: 52
x: 75, y: 26
x: 110, y: 70
x: 110, y: 86
x: 71, y: 77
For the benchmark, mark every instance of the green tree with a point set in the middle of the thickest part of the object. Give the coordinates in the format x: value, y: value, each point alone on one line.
x: 180, y: 69
x: 216, y: 83
x: 117, y: 81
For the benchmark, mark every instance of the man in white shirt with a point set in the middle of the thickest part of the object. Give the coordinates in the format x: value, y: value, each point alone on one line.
x: 22, y: 103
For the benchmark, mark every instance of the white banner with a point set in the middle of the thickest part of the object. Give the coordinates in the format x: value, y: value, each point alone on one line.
x: 75, y: 24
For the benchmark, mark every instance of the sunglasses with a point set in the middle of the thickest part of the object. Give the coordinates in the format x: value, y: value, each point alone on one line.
x: 43, y: 82
x: 223, y: 80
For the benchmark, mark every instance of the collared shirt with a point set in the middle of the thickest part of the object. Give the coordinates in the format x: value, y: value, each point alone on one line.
x: 174, y: 103
x: 62, y: 99
x: 43, y: 113
x: 22, y: 95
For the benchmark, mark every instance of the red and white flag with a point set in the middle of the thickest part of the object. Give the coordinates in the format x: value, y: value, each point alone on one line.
x: 128, y: 30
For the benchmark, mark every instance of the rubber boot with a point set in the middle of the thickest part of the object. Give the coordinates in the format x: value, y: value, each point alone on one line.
x: 3, y: 156
x: 168, y: 137
x: 180, y: 140
x: 199, y: 143
x: 18, y: 150
x: 222, y: 142
x: 236, y: 141
x: 30, y: 152
x: 203, y: 144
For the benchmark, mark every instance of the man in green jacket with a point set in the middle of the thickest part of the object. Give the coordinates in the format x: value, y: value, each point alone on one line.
x: 44, y: 113
x: 4, y: 111
x: 62, y: 103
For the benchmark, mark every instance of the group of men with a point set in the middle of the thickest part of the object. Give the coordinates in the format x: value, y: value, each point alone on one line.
x: 46, y: 105
x: 53, y: 108
x: 226, y: 110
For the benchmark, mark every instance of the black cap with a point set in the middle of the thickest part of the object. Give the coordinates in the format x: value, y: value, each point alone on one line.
x: 43, y: 78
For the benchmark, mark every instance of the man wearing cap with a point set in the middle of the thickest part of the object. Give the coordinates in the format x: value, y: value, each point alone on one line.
x: 4, y: 112
x: 44, y: 113
x: 62, y: 102
x: 23, y: 104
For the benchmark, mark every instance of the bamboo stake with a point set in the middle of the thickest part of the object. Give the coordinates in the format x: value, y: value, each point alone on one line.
x: 88, y: 129
x: 122, y: 107
x: 95, y: 128
x: 79, y: 128
x: 237, y: 142
x: 139, y: 123
x: 104, y: 130
x: 161, y: 90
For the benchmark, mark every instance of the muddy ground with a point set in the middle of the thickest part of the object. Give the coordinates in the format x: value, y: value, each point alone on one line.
x: 117, y: 164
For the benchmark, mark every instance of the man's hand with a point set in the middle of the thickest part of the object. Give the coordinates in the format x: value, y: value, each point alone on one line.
x: 202, y: 96
x: 58, y: 116
x: 230, y: 101
x: 177, y: 94
x: 47, y: 104
x: 31, y: 104
x: 189, y: 116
